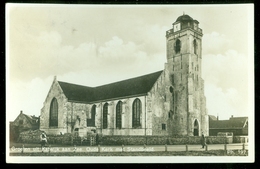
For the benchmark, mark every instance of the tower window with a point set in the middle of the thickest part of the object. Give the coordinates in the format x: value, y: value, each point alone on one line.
x: 177, y: 46
x: 171, y: 89
x: 195, y: 46
x: 163, y: 126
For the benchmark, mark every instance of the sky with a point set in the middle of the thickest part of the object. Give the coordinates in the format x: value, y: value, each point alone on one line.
x: 93, y: 45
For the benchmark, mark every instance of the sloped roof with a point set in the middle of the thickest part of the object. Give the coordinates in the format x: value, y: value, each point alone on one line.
x: 31, y: 119
x: 134, y: 86
x: 211, y: 117
x: 77, y: 92
x: 232, y: 123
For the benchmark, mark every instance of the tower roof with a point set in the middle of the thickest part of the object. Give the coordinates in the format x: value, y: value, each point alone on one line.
x: 184, y: 18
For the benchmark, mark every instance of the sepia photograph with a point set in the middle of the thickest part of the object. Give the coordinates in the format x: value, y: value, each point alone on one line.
x: 129, y: 83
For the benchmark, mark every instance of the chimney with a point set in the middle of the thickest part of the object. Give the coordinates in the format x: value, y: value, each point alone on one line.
x: 232, y: 116
x: 217, y: 117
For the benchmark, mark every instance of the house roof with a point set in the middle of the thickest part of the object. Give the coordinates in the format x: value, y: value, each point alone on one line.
x: 31, y: 119
x: 211, y: 117
x: 134, y: 86
x: 232, y: 123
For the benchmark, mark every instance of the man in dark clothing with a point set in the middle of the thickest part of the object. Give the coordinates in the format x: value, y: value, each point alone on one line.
x: 203, y: 140
x: 43, y: 140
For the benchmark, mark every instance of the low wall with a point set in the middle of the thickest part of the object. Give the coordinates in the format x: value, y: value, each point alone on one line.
x: 33, y: 136
x: 162, y: 140
x: 240, y: 139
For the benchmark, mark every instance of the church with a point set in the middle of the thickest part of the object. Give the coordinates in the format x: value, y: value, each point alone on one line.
x: 164, y: 103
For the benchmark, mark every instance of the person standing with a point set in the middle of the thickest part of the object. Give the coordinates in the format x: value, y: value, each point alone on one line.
x: 43, y: 140
x: 203, y: 140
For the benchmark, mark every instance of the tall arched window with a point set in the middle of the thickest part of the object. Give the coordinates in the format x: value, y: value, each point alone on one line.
x: 137, y: 110
x: 177, y: 46
x: 196, y: 128
x: 195, y: 46
x: 119, y: 115
x: 91, y: 121
x: 105, y: 112
x: 54, y: 113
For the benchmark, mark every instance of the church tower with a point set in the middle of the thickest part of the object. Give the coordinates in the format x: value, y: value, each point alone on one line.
x: 184, y: 55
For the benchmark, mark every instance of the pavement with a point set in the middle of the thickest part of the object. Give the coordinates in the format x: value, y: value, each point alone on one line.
x: 127, y: 148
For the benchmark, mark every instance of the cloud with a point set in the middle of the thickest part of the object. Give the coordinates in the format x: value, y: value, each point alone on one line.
x: 27, y: 96
x: 215, y: 43
x: 226, y: 83
x: 220, y: 103
x: 45, y: 55
x: 89, y: 64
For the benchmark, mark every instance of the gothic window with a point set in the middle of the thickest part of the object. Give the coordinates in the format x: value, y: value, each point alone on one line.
x: 54, y: 113
x: 137, y: 110
x: 91, y: 121
x: 177, y: 46
x: 195, y: 46
x: 172, y: 78
x: 119, y: 115
x: 105, y: 112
